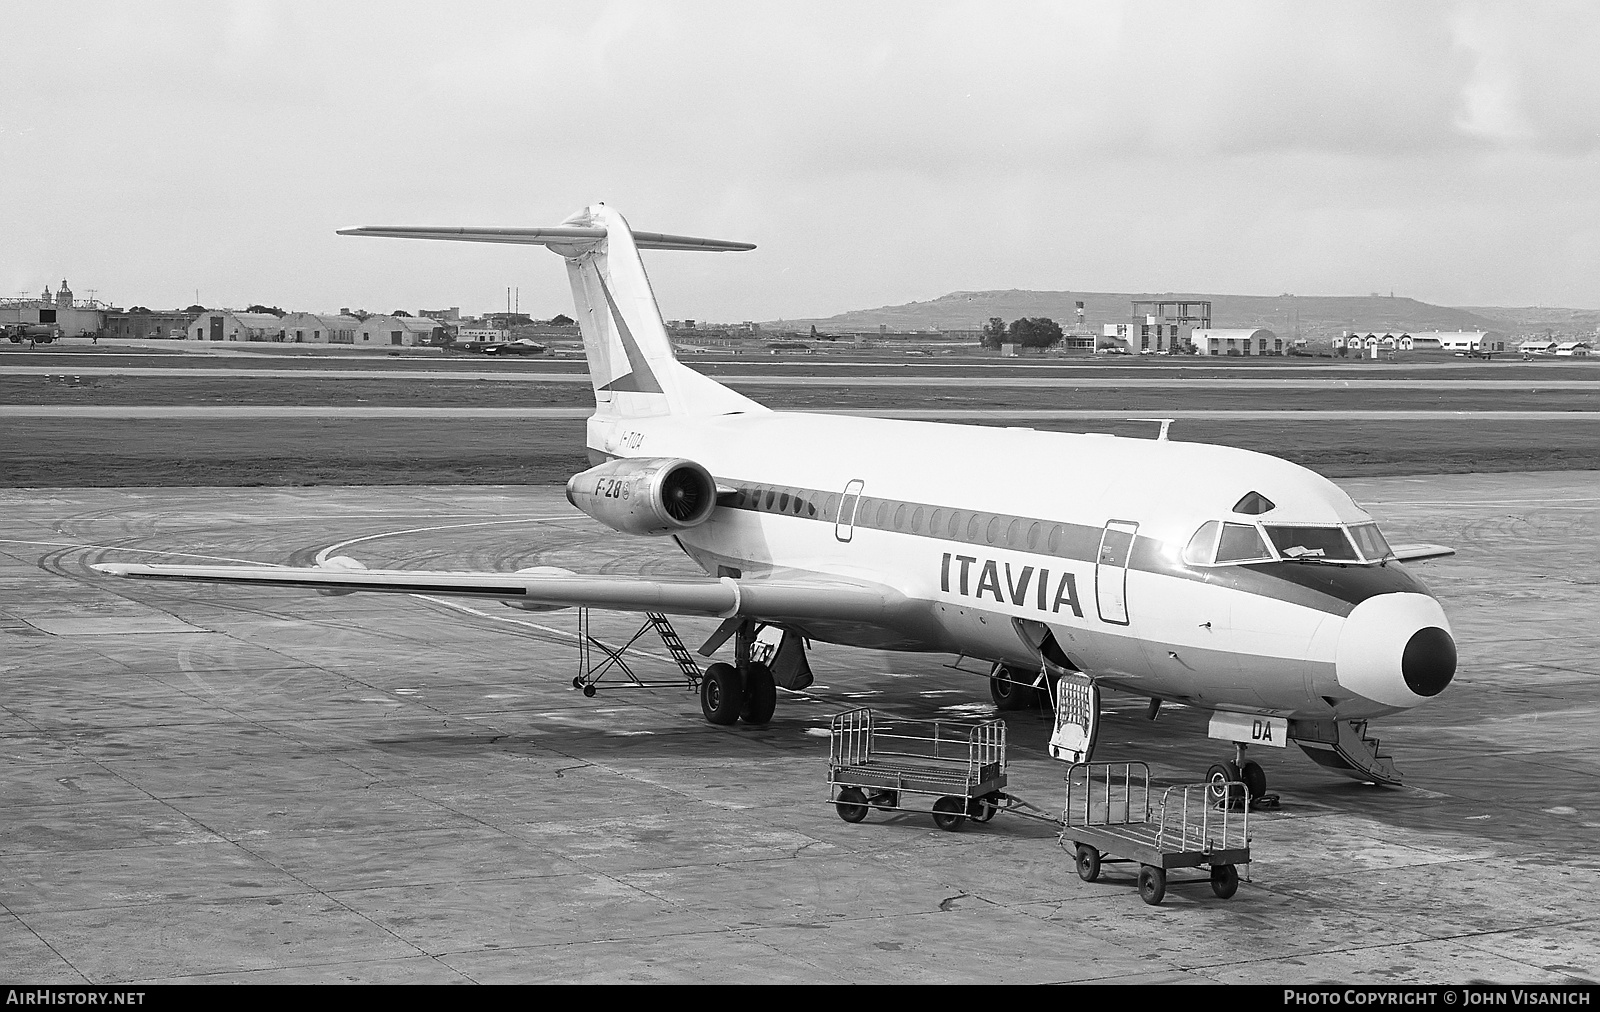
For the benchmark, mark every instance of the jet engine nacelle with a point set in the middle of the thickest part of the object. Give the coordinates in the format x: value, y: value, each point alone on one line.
x: 645, y: 495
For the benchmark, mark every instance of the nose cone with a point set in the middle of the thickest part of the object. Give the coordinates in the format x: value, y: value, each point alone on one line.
x: 1396, y: 649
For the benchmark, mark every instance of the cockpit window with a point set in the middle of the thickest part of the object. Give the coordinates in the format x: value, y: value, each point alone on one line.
x: 1371, y: 542
x: 1241, y: 543
x: 1199, y: 550
x: 1254, y: 504
x: 1313, y: 544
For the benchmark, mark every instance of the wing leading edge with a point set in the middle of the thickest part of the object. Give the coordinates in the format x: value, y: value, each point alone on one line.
x: 1409, y: 553
x: 793, y: 599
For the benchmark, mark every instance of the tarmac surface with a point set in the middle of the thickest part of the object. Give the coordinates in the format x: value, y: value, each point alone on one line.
x: 235, y: 784
x: 215, y: 411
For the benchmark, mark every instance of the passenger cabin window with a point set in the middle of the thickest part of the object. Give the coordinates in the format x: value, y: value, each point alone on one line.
x: 1242, y: 543
x: 1313, y: 544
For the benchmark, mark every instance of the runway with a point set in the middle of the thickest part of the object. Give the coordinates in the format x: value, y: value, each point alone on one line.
x: 901, y: 377
x: 231, y: 784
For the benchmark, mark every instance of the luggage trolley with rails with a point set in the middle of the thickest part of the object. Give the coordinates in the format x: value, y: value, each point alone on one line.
x: 953, y: 770
x: 1108, y: 811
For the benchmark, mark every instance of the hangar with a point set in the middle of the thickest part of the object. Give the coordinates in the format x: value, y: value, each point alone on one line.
x: 397, y: 331
x: 1470, y: 342
x: 58, y: 310
x: 226, y: 325
x: 320, y: 328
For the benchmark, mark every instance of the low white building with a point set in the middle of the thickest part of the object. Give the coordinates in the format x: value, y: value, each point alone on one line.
x: 397, y: 331
x: 1470, y: 342
x: 1576, y: 349
x: 226, y: 325
x: 1241, y: 341
x: 1539, y: 346
x: 320, y: 328
x: 1388, y: 340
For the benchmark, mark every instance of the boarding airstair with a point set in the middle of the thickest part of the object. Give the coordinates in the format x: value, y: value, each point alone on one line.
x: 1343, y: 746
x: 598, y: 659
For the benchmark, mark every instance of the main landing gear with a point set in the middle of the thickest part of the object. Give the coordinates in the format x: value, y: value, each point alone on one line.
x: 1240, y: 770
x: 743, y: 690
x: 1016, y: 690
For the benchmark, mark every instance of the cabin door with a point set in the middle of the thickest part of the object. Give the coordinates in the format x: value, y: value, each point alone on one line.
x: 844, y: 525
x: 1111, y: 571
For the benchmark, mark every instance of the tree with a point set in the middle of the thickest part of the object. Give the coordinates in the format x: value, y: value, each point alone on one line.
x: 195, y: 309
x: 994, y: 333
x: 560, y: 320
x: 138, y: 309
x: 274, y: 310
x: 1035, y: 332
x: 399, y: 312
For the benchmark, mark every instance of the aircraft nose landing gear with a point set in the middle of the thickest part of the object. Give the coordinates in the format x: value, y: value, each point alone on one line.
x: 1240, y: 770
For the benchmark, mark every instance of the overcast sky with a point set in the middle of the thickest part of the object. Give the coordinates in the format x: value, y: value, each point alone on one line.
x: 877, y: 153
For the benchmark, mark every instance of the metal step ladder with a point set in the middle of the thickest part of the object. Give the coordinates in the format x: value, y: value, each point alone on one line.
x: 597, y: 659
x: 675, y: 647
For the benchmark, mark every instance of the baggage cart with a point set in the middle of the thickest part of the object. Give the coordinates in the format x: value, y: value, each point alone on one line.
x: 1109, y: 812
x: 952, y: 770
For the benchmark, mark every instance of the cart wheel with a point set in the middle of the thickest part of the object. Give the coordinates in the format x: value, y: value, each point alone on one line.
x: 1255, y: 779
x: 1152, y: 884
x: 588, y: 690
x: 721, y: 693
x: 949, y: 814
x: 1218, y: 777
x: 760, y: 694
x: 577, y: 682
x: 1088, y: 862
x: 851, y: 805
x: 1224, y: 880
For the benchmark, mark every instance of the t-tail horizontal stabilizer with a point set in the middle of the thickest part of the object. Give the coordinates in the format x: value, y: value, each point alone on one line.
x: 631, y: 362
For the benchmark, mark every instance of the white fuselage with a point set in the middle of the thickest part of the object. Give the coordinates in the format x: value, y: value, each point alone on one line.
x: 998, y: 536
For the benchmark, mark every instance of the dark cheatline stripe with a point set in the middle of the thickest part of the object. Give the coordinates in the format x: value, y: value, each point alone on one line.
x: 1328, y: 588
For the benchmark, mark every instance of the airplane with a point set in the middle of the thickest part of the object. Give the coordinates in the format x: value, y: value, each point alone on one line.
x: 1190, y: 573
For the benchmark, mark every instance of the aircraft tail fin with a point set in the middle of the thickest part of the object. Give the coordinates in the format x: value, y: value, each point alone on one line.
x: 631, y: 361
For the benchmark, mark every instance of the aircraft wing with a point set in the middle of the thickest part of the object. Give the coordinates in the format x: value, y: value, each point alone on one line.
x: 1408, y: 553
x: 794, y: 598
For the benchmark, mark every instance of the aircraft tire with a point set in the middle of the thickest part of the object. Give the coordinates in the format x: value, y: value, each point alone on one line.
x: 1088, y: 862
x: 1009, y: 694
x: 1216, y: 777
x: 1152, y: 884
x: 852, y: 805
x: 721, y: 694
x: 949, y: 813
x: 1255, y: 779
x: 1224, y: 880
x: 760, y: 695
